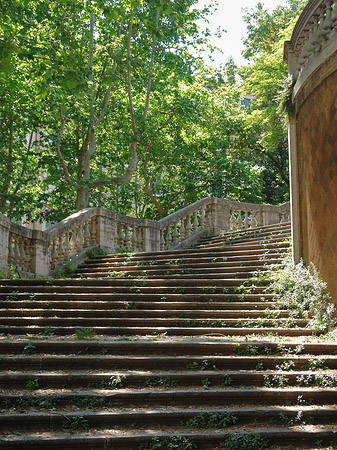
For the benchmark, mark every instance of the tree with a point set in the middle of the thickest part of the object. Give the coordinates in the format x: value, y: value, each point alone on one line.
x: 262, y: 128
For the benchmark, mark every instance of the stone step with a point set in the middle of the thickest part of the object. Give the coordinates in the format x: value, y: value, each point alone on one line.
x: 270, y: 242
x: 108, y: 313
x: 159, y: 363
x: 163, y: 379
x: 10, y: 298
x: 182, y: 275
x: 134, y: 303
x: 281, y: 234
x: 174, y: 270
x: 207, y: 321
x: 177, y: 416
x: 130, y: 440
x: 177, y: 347
x: 158, y: 331
x: 196, y: 253
x: 145, y: 398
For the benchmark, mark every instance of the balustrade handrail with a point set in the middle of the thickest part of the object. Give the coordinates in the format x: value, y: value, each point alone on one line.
x: 307, y: 14
x: 314, y: 31
x: 34, y: 252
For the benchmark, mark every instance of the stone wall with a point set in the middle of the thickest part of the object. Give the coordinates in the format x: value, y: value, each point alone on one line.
x: 317, y: 176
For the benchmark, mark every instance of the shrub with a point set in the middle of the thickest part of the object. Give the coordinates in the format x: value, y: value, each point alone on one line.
x: 302, y: 289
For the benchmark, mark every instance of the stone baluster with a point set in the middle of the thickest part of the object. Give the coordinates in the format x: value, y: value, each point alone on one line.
x: 27, y: 252
x: 203, y: 218
x: 61, y: 250
x: 134, y: 243
x: 53, y: 254
x: 127, y: 236
x: 334, y: 15
x: 79, y: 238
x: 327, y: 24
x: 169, y: 236
x: 239, y: 220
x: 162, y: 240
x: 86, y: 235
x: 188, y: 225
x: 140, y: 242
x: 21, y: 254
x: 175, y: 234
x: 73, y: 243
x: 308, y: 47
x: 182, y: 229
x: 232, y: 220
x: 93, y: 230
x: 16, y: 256
x: 120, y: 236
x: 67, y: 246
x: 195, y: 222
x: 209, y: 218
x: 246, y: 221
x: 11, y: 249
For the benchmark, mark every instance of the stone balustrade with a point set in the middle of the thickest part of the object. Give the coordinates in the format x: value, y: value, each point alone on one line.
x: 38, y: 253
x: 313, y: 39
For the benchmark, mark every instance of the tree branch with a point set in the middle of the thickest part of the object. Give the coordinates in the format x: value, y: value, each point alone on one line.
x: 261, y: 150
x: 132, y: 111
x: 58, y: 152
x: 147, y: 102
x: 128, y: 172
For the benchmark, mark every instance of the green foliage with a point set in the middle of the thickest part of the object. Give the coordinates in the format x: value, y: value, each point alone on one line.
x: 302, y: 289
x: 97, y: 251
x: 66, y: 271
x: 162, y: 382
x: 170, y: 443
x: 241, y: 441
x: 203, y: 365
x: 32, y: 384
x: 116, y: 382
x: 211, y: 420
x: 75, y: 423
x: 85, y: 333
x: 30, y: 349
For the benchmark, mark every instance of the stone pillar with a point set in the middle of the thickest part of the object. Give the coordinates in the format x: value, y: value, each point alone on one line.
x: 4, y: 239
x: 220, y: 215
x: 269, y: 215
x: 294, y: 191
x: 40, y: 248
x: 151, y: 236
x: 106, y: 230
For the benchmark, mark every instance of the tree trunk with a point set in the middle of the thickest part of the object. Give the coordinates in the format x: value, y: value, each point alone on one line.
x: 83, y: 173
x: 82, y: 198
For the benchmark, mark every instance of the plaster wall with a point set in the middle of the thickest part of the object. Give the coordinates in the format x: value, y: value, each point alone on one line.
x: 316, y: 143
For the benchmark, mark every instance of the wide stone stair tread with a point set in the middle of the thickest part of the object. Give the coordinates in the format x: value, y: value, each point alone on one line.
x: 137, y: 344
x: 131, y: 440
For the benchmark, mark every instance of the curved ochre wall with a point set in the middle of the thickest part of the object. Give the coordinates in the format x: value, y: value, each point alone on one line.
x: 316, y: 142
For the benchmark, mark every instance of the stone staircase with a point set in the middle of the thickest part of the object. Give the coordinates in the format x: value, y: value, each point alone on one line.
x: 177, y: 349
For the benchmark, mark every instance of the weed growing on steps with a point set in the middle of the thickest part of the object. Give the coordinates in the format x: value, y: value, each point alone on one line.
x: 12, y: 296
x: 162, y: 382
x: 211, y: 420
x: 97, y: 252
x: 203, y: 365
x: 171, y: 443
x: 30, y: 349
x: 66, y: 271
x: 316, y: 364
x: 241, y: 441
x: 32, y: 384
x: 75, y: 423
x: 301, y: 288
x: 85, y: 333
